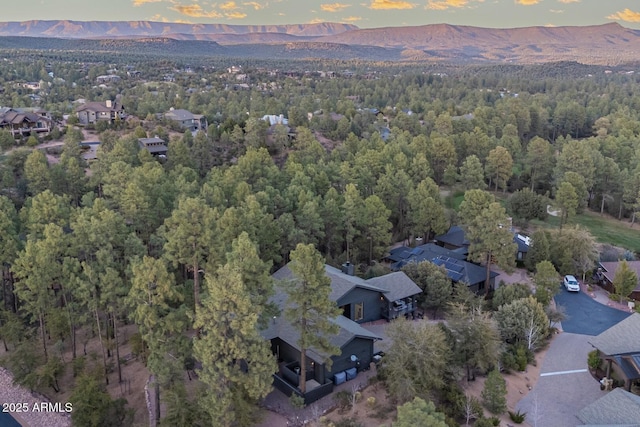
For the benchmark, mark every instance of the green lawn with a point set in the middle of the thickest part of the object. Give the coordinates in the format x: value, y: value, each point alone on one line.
x: 604, y: 228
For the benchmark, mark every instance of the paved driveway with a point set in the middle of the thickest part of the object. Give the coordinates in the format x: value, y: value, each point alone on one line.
x: 565, y: 385
x: 586, y: 316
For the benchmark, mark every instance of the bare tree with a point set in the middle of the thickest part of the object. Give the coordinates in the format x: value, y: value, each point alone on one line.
x: 472, y: 408
x: 533, y: 334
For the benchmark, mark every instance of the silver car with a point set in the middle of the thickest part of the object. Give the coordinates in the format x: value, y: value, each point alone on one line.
x: 571, y: 283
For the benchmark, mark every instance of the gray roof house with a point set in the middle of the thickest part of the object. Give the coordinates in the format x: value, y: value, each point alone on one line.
x: 156, y: 146
x: 619, y: 346
x: 92, y: 112
x: 617, y: 408
x: 458, y: 270
x: 360, y: 301
x: 187, y: 120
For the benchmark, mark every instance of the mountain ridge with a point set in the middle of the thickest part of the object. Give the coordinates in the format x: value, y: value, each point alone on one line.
x: 605, y: 44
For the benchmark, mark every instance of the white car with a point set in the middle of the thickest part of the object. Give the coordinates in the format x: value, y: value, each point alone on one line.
x: 571, y: 283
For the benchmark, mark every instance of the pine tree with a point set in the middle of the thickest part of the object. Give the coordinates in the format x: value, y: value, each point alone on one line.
x: 625, y: 280
x: 309, y: 308
x: 237, y: 363
x: 494, y: 394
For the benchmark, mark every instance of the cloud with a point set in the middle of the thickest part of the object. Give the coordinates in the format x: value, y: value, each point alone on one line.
x: 230, y: 5
x: 556, y: 10
x: 445, y: 4
x: 333, y: 7
x: 528, y: 2
x: 352, y: 19
x: 627, y: 15
x: 141, y: 2
x: 235, y: 15
x: 195, y: 11
x: 569, y: 1
x: 316, y: 21
x: 254, y: 5
x: 391, y: 4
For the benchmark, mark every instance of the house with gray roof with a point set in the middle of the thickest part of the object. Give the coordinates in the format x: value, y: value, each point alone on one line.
x: 453, y: 261
x: 384, y: 297
x: 156, y: 146
x: 187, y: 120
x: 619, y: 346
x: 617, y: 408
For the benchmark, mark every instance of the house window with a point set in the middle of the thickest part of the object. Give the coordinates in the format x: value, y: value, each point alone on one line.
x: 359, y: 312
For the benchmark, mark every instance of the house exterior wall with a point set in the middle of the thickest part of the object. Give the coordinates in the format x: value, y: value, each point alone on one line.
x: 361, y: 348
x: 371, y: 301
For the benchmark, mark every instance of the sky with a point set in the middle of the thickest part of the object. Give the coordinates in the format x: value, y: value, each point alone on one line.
x: 363, y: 13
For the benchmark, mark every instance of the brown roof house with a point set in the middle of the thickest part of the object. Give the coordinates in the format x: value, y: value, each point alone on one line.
x: 24, y: 122
x: 92, y: 112
x: 607, y: 273
x: 619, y: 346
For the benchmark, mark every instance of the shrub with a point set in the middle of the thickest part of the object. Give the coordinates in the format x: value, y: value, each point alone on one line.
x: 517, y: 417
x: 486, y: 422
x: 521, y: 358
x: 371, y: 402
x: 348, y: 422
x: 343, y: 400
x: 593, y: 360
x: 296, y: 401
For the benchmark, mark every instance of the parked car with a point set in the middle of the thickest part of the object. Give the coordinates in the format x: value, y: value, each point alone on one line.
x: 571, y: 283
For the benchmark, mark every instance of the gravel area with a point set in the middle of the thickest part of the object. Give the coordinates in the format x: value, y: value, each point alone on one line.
x: 26, y: 401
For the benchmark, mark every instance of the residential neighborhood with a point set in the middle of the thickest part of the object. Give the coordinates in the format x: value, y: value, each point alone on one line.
x: 196, y: 239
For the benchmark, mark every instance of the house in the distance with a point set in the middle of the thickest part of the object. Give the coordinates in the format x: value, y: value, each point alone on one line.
x: 156, y: 146
x: 607, y: 272
x: 91, y: 113
x: 384, y: 297
x: 25, y: 122
x: 187, y: 120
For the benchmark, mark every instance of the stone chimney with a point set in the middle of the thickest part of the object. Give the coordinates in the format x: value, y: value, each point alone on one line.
x: 108, y: 103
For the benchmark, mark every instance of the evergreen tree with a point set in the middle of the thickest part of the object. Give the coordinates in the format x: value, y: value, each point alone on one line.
x: 237, y: 363
x: 309, y: 308
x: 494, y: 394
x: 547, y: 282
x: 625, y: 280
x: 488, y: 231
x: 419, y: 413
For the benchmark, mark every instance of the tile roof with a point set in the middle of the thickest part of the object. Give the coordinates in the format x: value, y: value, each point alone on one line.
x: 622, y: 338
x: 616, y: 408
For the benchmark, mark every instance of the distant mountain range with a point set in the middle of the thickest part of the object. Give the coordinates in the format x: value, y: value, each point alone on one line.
x: 608, y: 44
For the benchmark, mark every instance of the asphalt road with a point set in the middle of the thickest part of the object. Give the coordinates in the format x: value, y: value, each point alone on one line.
x: 586, y: 316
